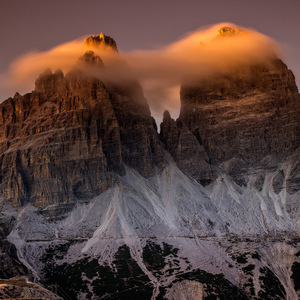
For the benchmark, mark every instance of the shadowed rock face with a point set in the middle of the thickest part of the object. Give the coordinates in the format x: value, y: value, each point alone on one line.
x: 10, y: 264
x: 189, y: 155
x: 71, y: 136
x: 247, y: 115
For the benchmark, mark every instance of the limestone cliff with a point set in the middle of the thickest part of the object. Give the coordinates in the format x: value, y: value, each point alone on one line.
x: 71, y: 136
x: 250, y: 115
x: 245, y: 116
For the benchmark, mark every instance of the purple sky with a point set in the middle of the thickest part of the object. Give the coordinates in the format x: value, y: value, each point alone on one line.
x: 37, y: 25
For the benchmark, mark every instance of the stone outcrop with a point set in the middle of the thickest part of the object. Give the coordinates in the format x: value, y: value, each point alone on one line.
x: 70, y: 138
x: 21, y: 288
x: 186, y: 289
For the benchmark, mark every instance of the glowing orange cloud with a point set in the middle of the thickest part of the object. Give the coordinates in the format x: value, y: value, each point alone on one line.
x: 200, y: 54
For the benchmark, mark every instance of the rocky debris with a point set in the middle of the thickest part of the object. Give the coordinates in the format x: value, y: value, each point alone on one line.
x: 55, y: 213
x: 70, y: 137
x: 101, y: 41
x: 186, y: 289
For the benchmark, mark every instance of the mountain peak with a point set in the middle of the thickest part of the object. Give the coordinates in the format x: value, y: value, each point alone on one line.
x: 230, y: 31
x: 101, y: 41
x: 90, y: 58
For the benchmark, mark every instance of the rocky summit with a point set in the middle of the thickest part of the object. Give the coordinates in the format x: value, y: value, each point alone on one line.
x: 96, y: 204
x: 101, y: 41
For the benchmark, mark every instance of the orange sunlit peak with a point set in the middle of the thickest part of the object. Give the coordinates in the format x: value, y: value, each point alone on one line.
x: 101, y: 41
x: 230, y: 31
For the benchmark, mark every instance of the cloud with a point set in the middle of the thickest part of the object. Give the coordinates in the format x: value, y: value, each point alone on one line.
x: 23, y: 72
x: 196, y: 56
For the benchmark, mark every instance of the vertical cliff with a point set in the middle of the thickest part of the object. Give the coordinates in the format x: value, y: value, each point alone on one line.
x: 249, y: 117
x: 70, y: 138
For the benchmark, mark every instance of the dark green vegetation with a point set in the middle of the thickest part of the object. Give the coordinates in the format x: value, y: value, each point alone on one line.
x: 242, y: 259
x: 126, y: 280
x: 256, y: 256
x: 129, y: 282
x: 55, y: 252
x: 154, y: 257
x: 296, y: 275
x: 271, y: 287
x: 249, y: 269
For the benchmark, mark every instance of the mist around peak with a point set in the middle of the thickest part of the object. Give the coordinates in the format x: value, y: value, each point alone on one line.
x: 202, y: 54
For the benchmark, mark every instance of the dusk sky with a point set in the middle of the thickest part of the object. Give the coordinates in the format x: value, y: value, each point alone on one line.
x: 39, y: 25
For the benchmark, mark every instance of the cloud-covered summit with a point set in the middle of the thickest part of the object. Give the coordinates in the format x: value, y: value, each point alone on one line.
x: 196, y: 56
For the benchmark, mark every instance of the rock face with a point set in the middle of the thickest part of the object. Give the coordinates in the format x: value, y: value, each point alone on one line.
x: 10, y: 265
x: 101, y: 41
x: 71, y: 136
x: 186, y: 289
x: 186, y: 150
x: 247, y: 118
x: 247, y: 115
